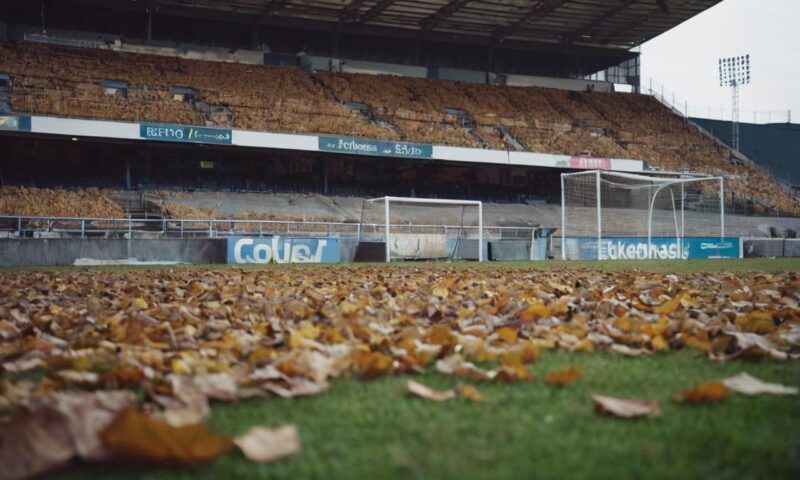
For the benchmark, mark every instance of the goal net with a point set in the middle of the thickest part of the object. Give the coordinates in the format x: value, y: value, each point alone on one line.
x: 611, y: 215
x: 398, y: 228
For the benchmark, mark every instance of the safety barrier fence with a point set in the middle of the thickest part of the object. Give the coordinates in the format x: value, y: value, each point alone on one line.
x: 78, y: 227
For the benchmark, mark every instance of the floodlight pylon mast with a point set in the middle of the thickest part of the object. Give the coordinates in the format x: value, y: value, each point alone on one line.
x: 734, y: 72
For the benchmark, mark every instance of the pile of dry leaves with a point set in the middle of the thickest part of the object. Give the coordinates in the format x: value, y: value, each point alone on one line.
x: 183, y: 338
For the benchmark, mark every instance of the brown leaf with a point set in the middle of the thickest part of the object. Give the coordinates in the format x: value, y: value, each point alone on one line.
x: 52, y: 433
x: 710, y: 392
x: 564, y: 377
x: 626, y: 407
x: 470, y: 392
x: 749, y: 385
x: 137, y: 437
x: 427, y: 393
x: 455, y: 365
x: 371, y: 364
x: 263, y: 445
x: 34, y: 442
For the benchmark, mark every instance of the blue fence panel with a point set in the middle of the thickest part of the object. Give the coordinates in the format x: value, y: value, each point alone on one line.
x: 661, y: 248
x: 283, y: 250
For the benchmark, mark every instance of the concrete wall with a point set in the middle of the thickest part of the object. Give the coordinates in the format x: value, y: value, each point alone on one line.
x: 771, y: 247
x: 64, y: 251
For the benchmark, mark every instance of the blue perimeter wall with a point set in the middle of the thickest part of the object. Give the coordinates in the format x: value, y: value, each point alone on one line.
x: 661, y: 248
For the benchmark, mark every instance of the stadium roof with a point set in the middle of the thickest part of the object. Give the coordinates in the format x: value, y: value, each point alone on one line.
x: 561, y: 24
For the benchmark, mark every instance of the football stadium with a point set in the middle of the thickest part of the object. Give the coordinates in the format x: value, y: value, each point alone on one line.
x: 387, y: 239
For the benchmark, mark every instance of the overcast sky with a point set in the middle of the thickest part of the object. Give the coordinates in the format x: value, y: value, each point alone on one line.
x: 685, y: 58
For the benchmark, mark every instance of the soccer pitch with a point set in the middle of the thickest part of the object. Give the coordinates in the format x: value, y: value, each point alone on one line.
x: 342, y: 341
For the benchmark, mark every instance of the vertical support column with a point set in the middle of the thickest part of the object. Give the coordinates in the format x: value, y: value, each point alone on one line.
x: 150, y: 12
x: 386, y: 227
x: 563, y: 222
x: 599, y: 217
x: 722, y: 206
x: 127, y: 174
x: 683, y: 221
x: 480, y: 231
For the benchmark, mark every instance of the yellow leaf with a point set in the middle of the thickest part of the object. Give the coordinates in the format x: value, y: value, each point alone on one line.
x: 671, y: 305
x: 658, y: 343
x: 534, y: 311
x: 140, y: 303
x: 440, y: 292
x: 507, y: 334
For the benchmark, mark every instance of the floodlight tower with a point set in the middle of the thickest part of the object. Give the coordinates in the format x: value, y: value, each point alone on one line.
x: 734, y: 72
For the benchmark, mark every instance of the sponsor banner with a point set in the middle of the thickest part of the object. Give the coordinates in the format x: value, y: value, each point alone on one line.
x: 359, y: 146
x: 283, y: 250
x: 178, y: 133
x: 15, y: 123
x: 661, y: 248
x: 590, y: 163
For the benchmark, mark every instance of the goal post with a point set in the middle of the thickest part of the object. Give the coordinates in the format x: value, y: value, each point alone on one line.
x: 423, y: 228
x: 623, y: 215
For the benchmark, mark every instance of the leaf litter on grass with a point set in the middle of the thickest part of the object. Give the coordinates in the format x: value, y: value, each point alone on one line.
x: 183, y: 339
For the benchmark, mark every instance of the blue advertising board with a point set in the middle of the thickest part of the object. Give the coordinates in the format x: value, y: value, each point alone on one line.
x: 180, y: 133
x: 19, y: 123
x: 360, y: 146
x: 283, y: 250
x: 661, y: 248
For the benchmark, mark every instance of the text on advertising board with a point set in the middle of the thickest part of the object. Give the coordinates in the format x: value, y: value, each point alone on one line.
x: 283, y: 250
x: 358, y: 146
x: 178, y: 133
x: 662, y: 248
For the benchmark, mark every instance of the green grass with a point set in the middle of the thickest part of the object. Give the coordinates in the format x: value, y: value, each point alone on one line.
x: 375, y: 430
x: 661, y: 266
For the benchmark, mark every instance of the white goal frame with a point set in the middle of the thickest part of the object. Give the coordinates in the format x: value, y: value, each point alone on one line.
x: 387, y: 201
x: 658, y: 182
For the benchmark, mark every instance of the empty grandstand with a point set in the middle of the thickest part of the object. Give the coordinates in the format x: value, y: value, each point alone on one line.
x: 186, y: 110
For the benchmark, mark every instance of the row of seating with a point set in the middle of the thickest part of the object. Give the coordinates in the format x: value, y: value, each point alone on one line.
x: 44, y: 202
x: 66, y: 81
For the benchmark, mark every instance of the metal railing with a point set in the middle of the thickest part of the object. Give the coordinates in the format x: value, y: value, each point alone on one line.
x: 81, y: 227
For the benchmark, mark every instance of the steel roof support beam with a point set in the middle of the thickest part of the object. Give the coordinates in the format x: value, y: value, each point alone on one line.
x: 349, y: 12
x: 375, y: 11
x: 579, y: 32
x: 446, y: 11
x: 542, y: 9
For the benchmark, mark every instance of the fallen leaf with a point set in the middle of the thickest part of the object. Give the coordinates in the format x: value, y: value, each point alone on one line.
x: 626, y: 407
x: 628, y: 351
x: 564, y: 377
x: 470, y: 392
x: 455, y: 365
x: 263, y: 445
x: 217, y: 386
x: 427, y: 393
x: 33, y: 442
x: 749, y: 385
x: 710, y: 392
x: 52, y: 432
x: 137, y: 437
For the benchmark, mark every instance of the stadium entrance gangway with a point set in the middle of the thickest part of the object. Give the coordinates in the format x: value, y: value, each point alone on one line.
x: 13, y: 226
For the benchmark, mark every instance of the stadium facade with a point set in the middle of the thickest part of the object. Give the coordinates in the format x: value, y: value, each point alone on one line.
x: 485, y: 100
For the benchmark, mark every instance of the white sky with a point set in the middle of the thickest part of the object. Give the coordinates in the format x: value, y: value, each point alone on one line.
x: 684, y: 59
